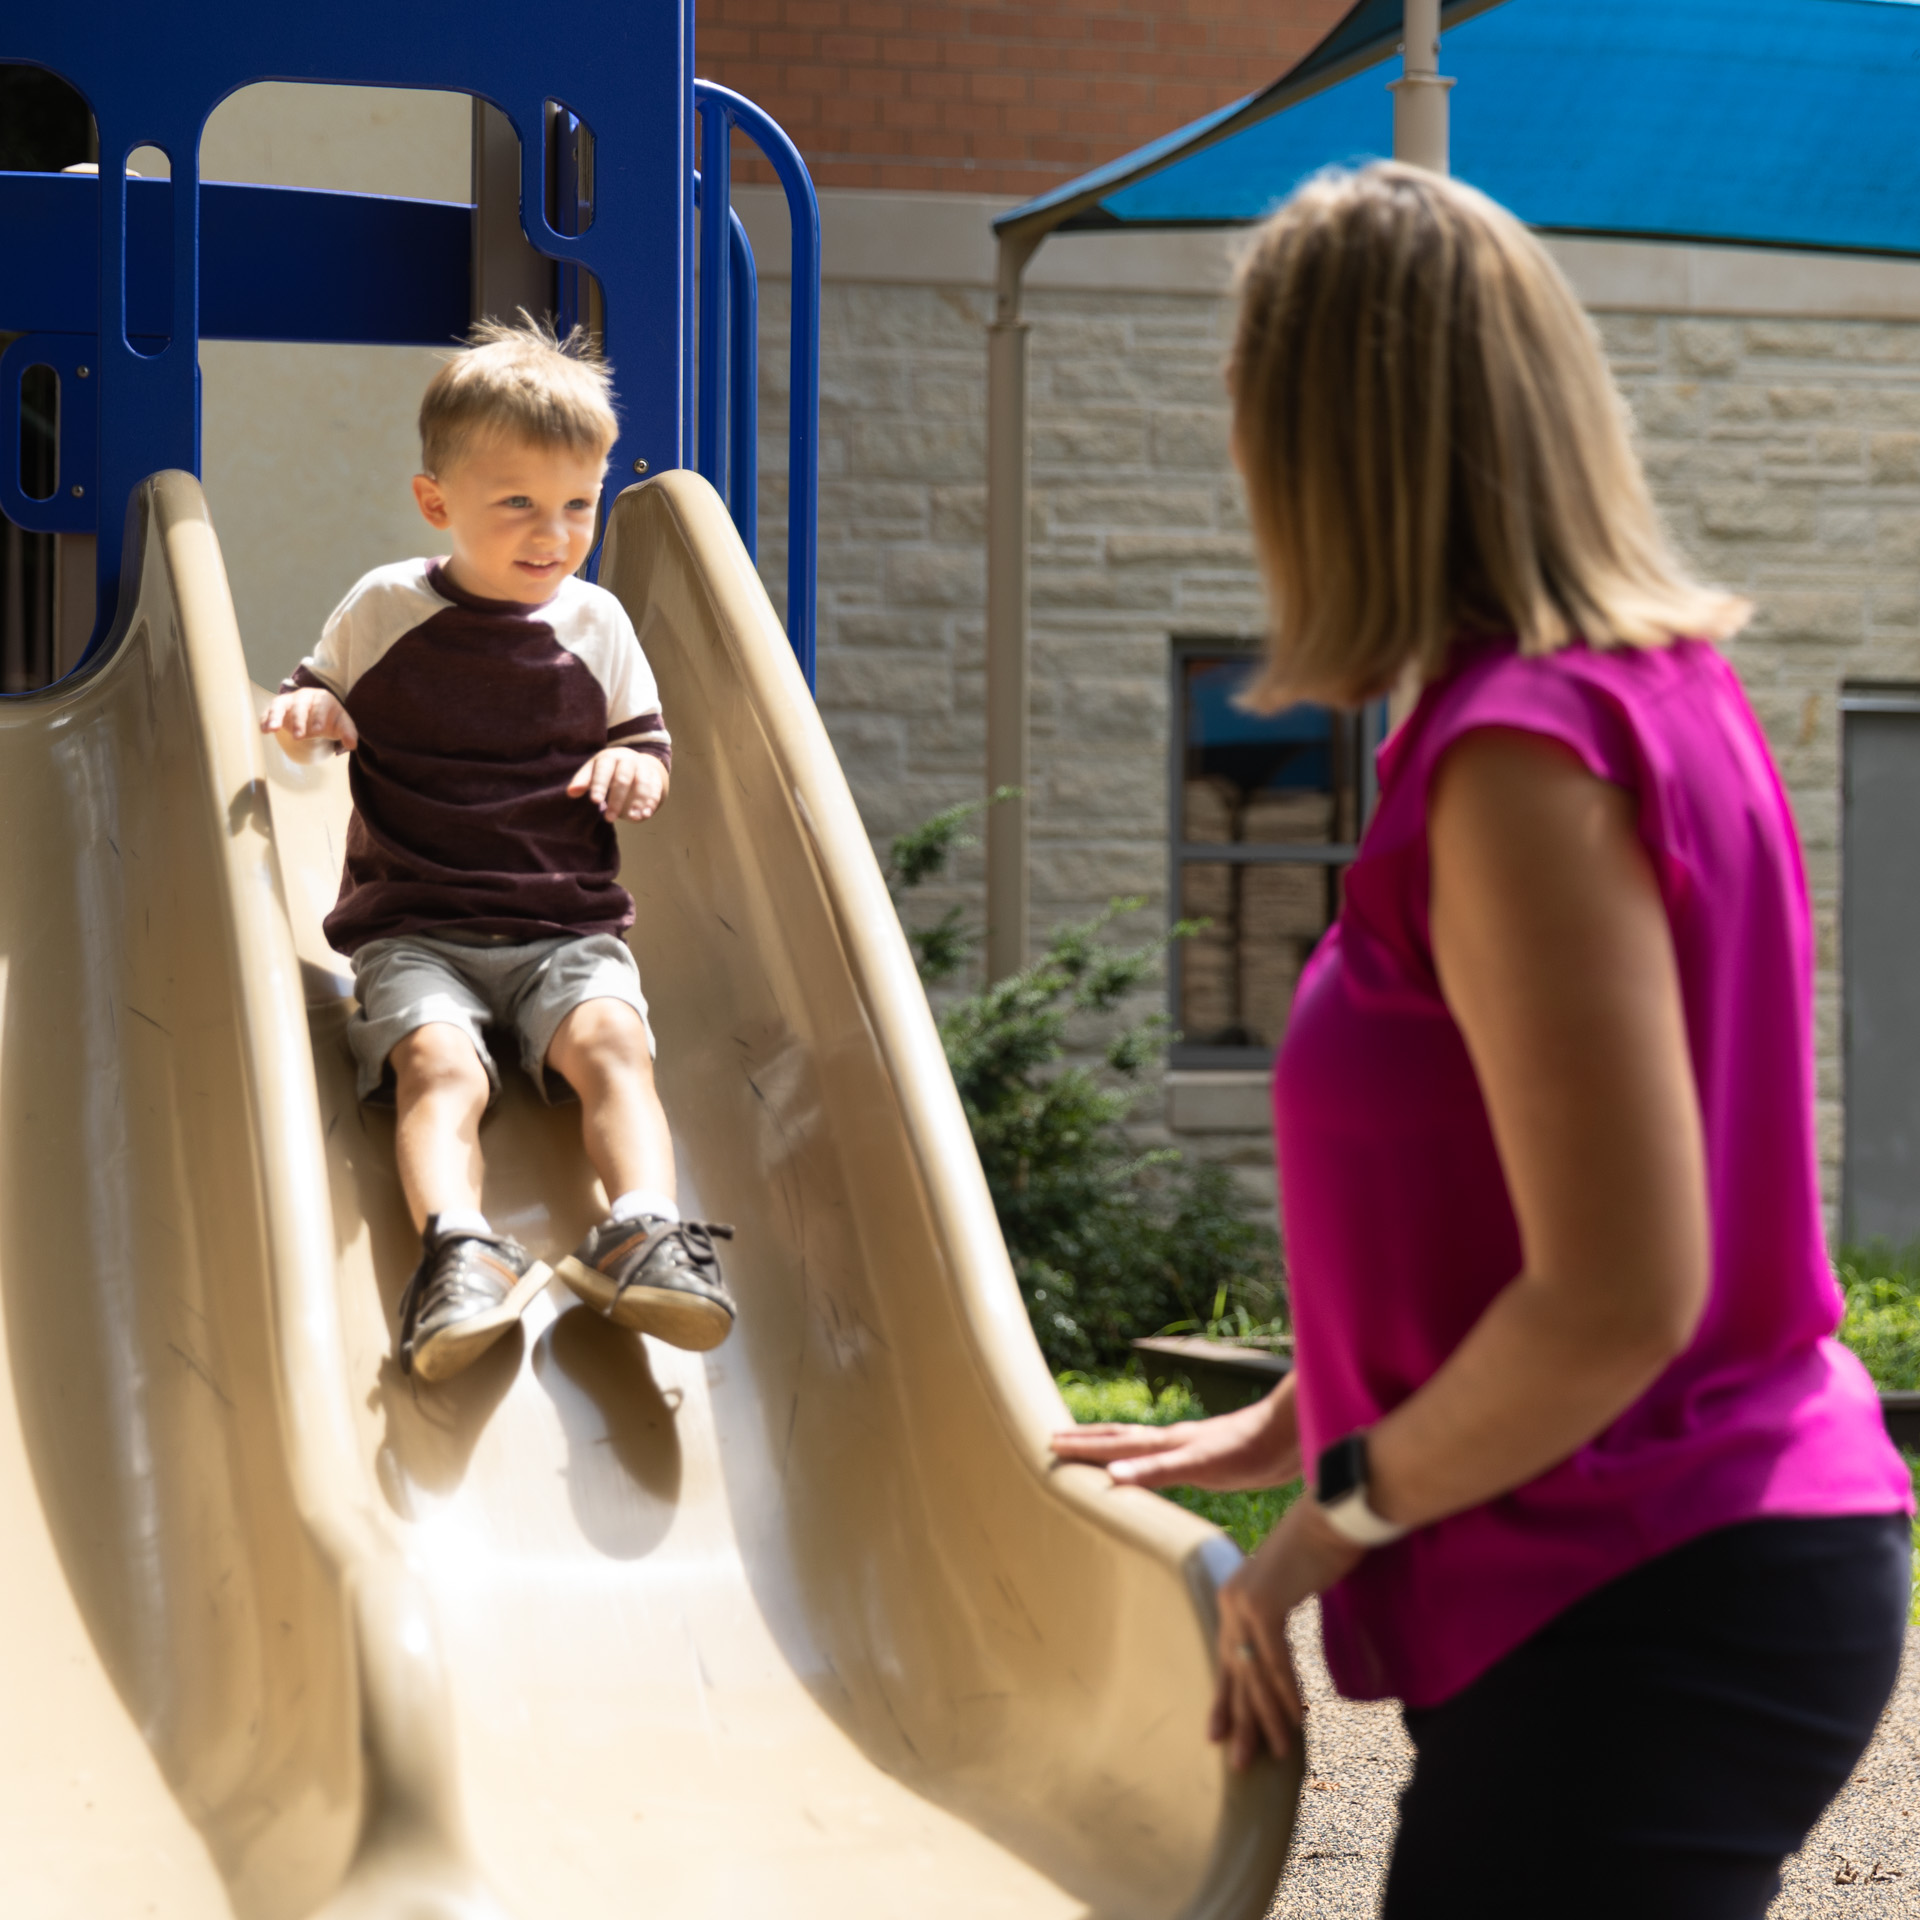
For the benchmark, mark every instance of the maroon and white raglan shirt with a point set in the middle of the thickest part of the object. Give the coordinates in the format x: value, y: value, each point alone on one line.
x: 473, y: 715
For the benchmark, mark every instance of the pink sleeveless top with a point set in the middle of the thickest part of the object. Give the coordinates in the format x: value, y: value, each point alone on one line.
x: 1398, y: 1225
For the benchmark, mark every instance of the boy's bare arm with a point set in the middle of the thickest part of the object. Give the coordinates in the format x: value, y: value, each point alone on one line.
x: 623, y: 784
x: 310, y: 713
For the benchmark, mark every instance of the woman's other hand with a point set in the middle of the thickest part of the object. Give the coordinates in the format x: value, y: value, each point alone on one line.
x: 1256, y: 1701
x: 1258, y: 1446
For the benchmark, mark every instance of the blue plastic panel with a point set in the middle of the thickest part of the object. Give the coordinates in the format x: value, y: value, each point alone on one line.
x: 1784, y: 122
x: 273, y: 262
x: 152, y: 75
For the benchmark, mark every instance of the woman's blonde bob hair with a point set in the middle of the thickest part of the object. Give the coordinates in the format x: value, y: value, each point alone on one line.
x: 1433, y: 446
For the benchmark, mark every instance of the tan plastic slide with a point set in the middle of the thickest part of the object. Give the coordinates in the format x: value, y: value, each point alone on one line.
x: 806, y: 1627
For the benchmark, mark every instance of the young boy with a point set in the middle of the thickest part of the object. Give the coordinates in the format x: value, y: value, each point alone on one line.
x: 501, y: 718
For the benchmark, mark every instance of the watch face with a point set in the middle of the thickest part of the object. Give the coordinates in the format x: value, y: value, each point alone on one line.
x: 1343, y: 1467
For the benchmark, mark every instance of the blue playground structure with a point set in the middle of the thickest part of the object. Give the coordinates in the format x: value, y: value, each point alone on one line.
x: 112, y: 282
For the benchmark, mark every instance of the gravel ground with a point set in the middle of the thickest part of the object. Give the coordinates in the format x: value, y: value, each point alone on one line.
x: 1862, y: 1860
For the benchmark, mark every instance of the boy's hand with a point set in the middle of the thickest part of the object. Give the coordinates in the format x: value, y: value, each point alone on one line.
x: 310, y: 713
x: 623, y: 784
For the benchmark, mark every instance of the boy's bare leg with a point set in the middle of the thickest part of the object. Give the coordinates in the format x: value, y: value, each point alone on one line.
x: 601, y: 1047
x: 643, y: 1270
x: 441, y: 1094
x: 472, y: 1284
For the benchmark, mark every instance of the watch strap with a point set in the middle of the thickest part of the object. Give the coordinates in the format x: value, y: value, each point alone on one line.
x: 1340, y: 1490
x: 1353, y: 1519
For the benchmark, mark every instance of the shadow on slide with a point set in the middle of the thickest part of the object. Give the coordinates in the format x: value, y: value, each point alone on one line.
x: 806, y: 1627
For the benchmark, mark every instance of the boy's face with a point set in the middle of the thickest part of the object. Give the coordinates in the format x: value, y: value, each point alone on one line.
x: 520, y: 516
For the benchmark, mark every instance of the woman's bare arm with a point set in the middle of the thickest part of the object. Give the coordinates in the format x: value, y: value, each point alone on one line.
x: 1556, y: 960
x: 1257, y: 1446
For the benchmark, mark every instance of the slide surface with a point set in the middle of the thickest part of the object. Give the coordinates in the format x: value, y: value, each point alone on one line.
x: 805, y: 1627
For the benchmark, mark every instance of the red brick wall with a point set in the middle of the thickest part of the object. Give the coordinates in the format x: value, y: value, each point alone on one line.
x: 1008, y: 99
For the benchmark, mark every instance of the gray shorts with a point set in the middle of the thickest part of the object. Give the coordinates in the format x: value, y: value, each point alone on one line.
x: 525, y: 990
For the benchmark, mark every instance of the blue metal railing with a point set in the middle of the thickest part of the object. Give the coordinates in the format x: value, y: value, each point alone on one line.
x: 726, y: 350
x: 737, y: 478
x: 743, y: 396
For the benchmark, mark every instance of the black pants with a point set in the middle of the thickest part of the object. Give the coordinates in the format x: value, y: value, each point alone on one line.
x: 1657, y: 1751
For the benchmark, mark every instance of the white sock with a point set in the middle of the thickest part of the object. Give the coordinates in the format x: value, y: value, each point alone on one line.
x: 463, y: 1220
x: 630, y: 1206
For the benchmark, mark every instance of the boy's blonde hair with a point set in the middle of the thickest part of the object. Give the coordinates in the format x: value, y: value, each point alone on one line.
x: 1433, y: 445
x: 520, y: 381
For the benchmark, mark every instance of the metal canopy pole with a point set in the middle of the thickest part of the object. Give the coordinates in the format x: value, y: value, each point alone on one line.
x: 1420, y: 94
x: 1007, y: 673
x: 1420, y: 139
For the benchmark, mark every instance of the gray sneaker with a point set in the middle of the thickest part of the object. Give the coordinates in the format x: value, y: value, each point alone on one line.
x: 468, y: 1289
x: 656, y: 1276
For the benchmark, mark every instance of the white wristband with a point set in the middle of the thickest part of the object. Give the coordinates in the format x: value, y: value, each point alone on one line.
x: 1354, y: 1520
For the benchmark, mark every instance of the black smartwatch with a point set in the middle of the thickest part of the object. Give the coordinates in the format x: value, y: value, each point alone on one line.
x: 1340, y: 1490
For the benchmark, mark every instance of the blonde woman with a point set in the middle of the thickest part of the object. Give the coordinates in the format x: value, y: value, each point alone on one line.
x: 1597, y: 1495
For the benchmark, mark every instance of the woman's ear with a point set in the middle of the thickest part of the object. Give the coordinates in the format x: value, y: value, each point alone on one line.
x: 432, y: 502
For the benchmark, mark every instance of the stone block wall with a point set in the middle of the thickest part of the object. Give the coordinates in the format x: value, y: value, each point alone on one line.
x: 1785, y: 455
x: 1138, y: 534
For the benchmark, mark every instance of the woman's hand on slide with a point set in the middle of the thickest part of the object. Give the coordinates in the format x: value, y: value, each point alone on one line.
x: 1258, y: 1446
x: 1256, y: 1700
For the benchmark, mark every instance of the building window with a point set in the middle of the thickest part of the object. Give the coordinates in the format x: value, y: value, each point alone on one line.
x: 1267, y: 812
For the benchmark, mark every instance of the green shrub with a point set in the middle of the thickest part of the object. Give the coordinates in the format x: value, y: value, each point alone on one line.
x: 1882, y: 1323
x: 1247, y: 1517
x: 1107, y: 1242
x: 1094, y: 1397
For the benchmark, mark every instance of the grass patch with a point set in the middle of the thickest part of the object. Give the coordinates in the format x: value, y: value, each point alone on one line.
x: 1247, y: 1518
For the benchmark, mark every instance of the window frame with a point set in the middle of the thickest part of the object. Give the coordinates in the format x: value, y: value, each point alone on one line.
x: 1185, y: 1056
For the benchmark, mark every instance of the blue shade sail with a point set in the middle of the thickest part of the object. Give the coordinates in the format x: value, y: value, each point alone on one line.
x: 1769, y: 122
x: 1364, y: 35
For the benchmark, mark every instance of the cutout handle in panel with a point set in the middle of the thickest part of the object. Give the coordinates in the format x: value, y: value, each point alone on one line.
x: 56, y: 446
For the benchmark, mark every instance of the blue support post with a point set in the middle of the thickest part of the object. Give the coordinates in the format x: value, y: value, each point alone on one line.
x: 739, y: 481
